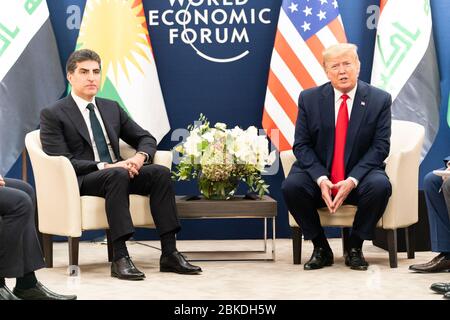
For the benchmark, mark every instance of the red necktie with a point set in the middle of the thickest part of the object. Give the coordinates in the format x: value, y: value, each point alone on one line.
x: 340, y: 136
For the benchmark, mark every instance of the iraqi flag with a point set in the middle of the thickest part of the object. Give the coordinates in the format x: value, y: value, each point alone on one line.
x: 405, y: 64
x: 117, y: 31
x: 31, y: 76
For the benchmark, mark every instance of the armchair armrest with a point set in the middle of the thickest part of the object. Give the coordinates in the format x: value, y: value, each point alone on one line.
x: 287, y: 160
x: 163, y: 158
x: 402, y: 168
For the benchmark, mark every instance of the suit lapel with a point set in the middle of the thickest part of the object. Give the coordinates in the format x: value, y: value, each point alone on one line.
x: 326, y: 105
x: 358, y: 110
x: 72, y: 110
x: 107, y: 122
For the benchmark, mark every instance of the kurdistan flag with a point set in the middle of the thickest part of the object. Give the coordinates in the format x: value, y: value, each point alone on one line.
x: 31, y: 76
x: 405, y: 64
x: 117, y: 31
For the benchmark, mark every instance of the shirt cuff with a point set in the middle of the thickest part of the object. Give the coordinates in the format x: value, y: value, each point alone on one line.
x: 144, y: 154
x: 354, y: 181
x: 320, y: 179
x: 101, y: 165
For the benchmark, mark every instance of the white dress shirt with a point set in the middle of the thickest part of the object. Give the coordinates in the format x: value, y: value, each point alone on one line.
x: 337, y: 105
x: 82, y: 105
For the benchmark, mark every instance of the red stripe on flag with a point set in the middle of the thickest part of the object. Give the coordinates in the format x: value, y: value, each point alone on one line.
x: 382, y: 4
x: 136, y: 3
x: 276, y: 137
x: 316, y: 47
x: 297, y: 68
x: 338, y: 30
x: 282, y: 96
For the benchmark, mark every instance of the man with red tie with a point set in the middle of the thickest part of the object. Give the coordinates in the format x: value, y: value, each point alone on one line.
x: 342, y: 137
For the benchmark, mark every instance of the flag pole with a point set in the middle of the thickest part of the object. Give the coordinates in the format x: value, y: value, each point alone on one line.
x: 24, y: 165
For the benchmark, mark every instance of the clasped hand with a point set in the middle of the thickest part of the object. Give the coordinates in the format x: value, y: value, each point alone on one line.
x: 132, y: 165
x: 343, y: 188
x: 2, y: 181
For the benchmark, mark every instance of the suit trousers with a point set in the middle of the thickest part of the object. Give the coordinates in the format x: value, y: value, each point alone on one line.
x: 446, y: 192
x: 20, y: 252
x: 438, y: 215
x: 115, y: 185
x: 303, y: 196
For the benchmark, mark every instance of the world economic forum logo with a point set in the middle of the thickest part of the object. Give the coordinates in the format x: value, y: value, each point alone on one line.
x: 217, y: 30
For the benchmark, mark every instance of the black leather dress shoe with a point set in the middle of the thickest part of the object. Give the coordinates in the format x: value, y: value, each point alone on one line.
x: 125, y: 269
x: 440, y: 263
x: 355, y: 260
x: 176, y: 262
x: 441, y: 287
x: 6, y: 294
x: 39, y: 292
x: 320, y: 258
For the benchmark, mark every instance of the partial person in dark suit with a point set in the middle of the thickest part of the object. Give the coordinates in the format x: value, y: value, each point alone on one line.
x: 20, y: 253
x: 86, y: 129
x: 437, y: 196
x: 446, y: 191
x: 342, y: 137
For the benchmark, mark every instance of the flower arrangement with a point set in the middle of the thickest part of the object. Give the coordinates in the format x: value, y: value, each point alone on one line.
x: 219, y: 158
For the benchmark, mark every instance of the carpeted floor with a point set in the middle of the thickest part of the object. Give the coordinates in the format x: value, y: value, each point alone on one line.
x: 241, y: 279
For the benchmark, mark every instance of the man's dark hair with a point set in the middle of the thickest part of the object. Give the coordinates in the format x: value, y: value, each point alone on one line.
x: 80, y: 56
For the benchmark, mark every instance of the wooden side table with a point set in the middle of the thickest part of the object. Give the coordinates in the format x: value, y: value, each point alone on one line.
x: 237, y: 207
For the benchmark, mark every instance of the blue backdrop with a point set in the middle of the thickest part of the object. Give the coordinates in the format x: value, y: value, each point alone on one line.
x: 234, y: 92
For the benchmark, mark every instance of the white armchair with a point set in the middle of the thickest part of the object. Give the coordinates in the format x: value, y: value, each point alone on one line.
x: 402, y: 168
x: 61, y: 209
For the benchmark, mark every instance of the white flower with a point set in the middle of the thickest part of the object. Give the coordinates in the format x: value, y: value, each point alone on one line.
x: 236, y: 132
x: 220, y: 126
x: 191, y: 146
x: 252, y: 131
x: 208, y: 136
x: 220, y: 153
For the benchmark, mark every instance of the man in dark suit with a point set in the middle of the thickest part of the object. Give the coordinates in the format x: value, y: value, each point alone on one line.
x: 437, y: 196
x: 342, y: 137
x: 86, y: 129
x: 20, y: 253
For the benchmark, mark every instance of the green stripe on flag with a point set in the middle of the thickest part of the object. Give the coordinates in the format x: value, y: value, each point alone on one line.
x: 109, y: 92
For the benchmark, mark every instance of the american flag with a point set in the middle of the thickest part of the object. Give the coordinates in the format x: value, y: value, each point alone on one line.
x: 305, y: 29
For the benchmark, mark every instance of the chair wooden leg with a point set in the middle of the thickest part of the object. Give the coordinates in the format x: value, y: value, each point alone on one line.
x: 47, y: 246
x: 109, y: 245
x: 297, y: 244
x: 38, y: 233
x: 392, y: 247
x: 410, y: 242
x: 74, y: 243
x: 345, y: 236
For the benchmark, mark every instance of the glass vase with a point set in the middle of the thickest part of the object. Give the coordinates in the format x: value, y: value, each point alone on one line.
x: 217, y: 190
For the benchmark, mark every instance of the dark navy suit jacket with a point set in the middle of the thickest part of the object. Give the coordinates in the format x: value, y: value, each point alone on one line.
x: 368, y: 135
x: 64, y: 132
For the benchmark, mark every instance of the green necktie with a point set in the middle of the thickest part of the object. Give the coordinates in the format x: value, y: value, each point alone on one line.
x: 99, y: 137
